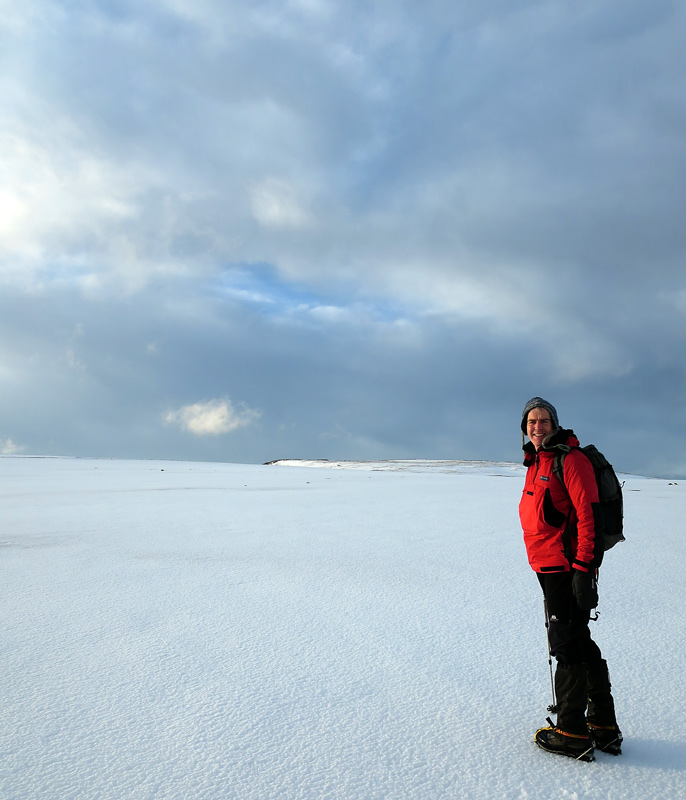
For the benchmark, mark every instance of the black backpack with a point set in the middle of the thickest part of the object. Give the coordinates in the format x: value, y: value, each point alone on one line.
x: 609, y: 491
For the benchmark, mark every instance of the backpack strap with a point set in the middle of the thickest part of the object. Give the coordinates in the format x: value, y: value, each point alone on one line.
x: 561, y: 451
x: 558, y: 470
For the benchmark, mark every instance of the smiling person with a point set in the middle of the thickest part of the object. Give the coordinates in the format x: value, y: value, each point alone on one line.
x: 562, y: 524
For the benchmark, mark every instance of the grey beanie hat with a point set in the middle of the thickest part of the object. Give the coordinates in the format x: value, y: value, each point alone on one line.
x: 539, y: 402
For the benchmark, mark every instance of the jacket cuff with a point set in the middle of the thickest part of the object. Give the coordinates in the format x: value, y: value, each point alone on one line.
x: 582, y: 566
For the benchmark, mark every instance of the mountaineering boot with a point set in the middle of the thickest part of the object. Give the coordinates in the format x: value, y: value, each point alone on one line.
x: 607, y: 739
x: 601, y: 720
x: 555, y: 740
x: 570, y: 737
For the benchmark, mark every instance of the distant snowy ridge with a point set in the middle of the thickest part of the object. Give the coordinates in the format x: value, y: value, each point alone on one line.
x: 498, y: 468
x: 507, y: 469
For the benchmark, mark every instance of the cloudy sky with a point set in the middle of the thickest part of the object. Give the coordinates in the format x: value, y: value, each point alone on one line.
x: 244, y: 230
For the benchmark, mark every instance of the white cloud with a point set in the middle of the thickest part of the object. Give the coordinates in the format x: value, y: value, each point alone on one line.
x: 59, y: 201
x: 9, y: 448
x: 275, y: 204
x: 213, y: 418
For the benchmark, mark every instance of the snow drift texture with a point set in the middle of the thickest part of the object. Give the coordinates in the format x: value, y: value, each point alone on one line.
x: 176, y: 630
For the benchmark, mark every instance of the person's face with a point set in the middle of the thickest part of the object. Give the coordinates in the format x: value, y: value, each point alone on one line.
x: 538, y: 426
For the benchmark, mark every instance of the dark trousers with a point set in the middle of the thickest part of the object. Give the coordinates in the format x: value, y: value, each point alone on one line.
x: 568, y: 632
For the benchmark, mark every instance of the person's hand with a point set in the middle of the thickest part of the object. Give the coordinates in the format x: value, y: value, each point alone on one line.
x: 585, y: 588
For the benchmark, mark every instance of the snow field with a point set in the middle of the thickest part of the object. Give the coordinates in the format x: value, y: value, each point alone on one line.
x: 176, y: 630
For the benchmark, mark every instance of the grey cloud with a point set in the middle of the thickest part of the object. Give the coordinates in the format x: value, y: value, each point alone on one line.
x: 326, y: 387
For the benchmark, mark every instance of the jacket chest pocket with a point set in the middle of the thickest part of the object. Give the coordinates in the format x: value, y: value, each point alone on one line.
x: 551, y: 515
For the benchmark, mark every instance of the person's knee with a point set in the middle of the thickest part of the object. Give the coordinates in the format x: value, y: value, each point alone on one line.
x: 565, y: 645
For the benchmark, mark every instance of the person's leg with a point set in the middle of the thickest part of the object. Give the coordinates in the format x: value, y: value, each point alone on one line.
x: 601, y: 707
x: 600, y: 716
x: 601, y: 719
x: 567, y: 636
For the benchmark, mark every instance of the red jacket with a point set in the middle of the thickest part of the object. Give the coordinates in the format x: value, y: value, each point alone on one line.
x: 546, y: 505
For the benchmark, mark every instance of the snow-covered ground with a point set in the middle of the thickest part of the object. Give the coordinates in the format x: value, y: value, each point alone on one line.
x: 181, y: 630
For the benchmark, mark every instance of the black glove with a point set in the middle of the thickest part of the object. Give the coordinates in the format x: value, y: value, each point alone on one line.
x: 585, y: 588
